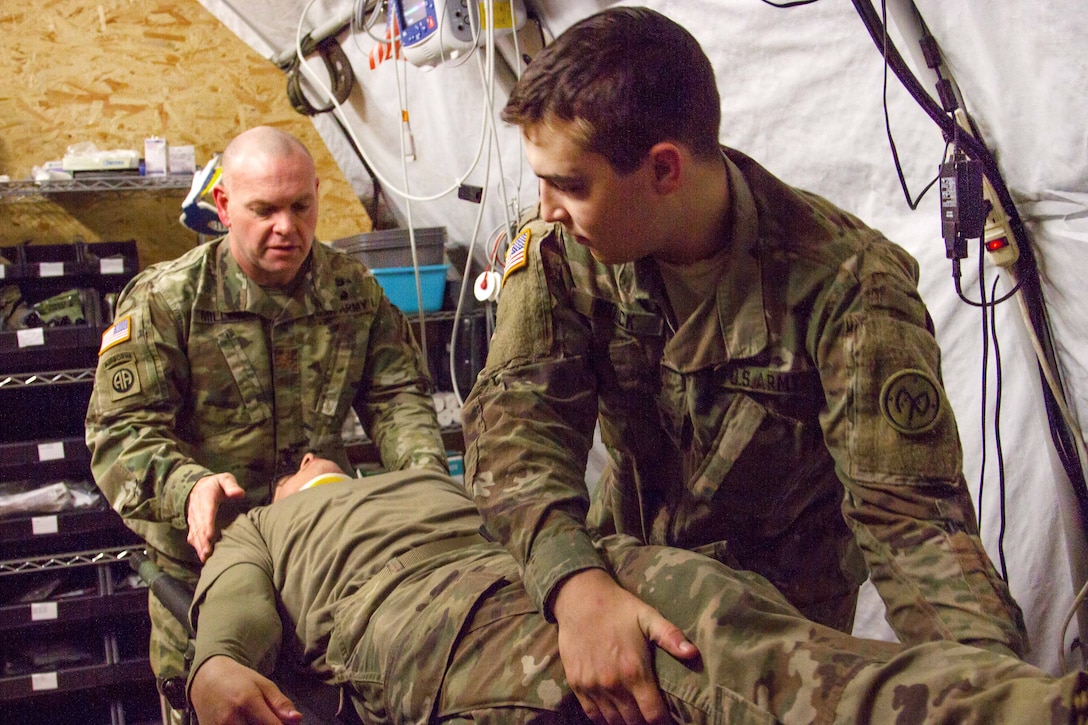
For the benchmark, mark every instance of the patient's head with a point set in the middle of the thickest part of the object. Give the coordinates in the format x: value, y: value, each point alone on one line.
x: 311, y: 467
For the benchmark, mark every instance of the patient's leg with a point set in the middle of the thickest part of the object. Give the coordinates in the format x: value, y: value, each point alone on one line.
x: 759, y: 654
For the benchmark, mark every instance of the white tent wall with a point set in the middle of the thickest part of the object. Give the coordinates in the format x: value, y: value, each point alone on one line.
x: 802, y: 93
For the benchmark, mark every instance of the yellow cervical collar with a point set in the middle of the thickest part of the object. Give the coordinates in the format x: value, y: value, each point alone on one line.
x: 325, y: 478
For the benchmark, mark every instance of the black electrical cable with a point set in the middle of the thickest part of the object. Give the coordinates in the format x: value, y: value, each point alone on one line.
x: 1002, y: 497
x: 912, y: 203
x: 989, y: 332
x: 984, y: 387
x: 1025, y: 270
x: 791, y: 4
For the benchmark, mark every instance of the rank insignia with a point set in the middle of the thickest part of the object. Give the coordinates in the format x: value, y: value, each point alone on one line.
x: 910, y: 401
x: 517, y: 256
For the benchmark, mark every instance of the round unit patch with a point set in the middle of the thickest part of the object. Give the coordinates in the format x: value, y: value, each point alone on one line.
x: 911, y: 401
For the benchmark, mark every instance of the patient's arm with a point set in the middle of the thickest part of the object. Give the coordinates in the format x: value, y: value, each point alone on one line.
x: 238, y: 632
x: 224, y: 691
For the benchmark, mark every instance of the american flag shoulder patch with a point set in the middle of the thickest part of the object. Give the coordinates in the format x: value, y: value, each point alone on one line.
x: 119, y: 331
x: 517, y: 256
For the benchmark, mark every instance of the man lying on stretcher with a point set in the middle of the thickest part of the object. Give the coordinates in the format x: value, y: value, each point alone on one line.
x: 384, y: 587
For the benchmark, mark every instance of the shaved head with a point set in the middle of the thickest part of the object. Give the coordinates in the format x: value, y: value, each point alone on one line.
x: 260, y: 140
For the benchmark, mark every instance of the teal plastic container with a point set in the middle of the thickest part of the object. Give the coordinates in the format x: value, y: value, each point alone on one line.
x: 399, y: 284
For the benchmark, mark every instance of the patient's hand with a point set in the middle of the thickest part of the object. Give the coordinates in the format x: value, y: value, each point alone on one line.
x: 225, y: 692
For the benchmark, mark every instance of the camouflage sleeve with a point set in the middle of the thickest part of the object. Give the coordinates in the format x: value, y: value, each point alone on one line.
x: 529, y: 425
x: 892, y: 433
x: 137, y: 460
x: 394, y: 402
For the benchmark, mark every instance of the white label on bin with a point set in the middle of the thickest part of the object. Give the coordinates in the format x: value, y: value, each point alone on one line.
x: 51, y: 269
x: 30, y: 337
x: 43, y: 681
x: 41, y: 611
x: 3, y: 271
x: 51, y: 451
x: 43, y: 525
x: 112, y: 266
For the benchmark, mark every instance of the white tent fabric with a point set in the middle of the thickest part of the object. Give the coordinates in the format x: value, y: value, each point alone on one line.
x: 802, y: 92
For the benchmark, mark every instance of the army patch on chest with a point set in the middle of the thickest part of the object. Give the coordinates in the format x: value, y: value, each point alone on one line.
x: 518, y: 254
x: 910, y: 401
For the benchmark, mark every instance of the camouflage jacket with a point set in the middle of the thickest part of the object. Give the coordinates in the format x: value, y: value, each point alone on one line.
x: 795, y: 425
x: 204, y: 371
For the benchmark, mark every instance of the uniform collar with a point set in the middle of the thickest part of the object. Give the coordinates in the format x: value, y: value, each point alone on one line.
x: 734, y: 326
x: 234, y: 291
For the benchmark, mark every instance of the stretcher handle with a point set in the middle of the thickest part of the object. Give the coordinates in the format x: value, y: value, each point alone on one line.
x: 174, y: 594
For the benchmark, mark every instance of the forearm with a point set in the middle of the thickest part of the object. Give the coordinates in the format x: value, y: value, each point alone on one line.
x: 934, y: 575
x: 248, y: 634
x: 404, y: 427
x: 394, y: 402
x: 525, y: 462
x: 141, y: 469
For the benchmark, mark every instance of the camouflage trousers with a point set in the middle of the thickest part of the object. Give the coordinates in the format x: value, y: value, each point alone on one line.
x: 761, y: 661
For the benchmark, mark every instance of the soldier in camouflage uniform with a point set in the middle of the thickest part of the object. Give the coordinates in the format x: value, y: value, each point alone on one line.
x: 384, y: 589
x: 224, y: 366
x: 763, y: 370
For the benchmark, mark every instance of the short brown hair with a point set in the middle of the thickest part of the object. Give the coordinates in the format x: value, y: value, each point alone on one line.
x: 630, y: 78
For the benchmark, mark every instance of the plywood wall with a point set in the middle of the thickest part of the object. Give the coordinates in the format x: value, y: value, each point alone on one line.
x: 115, y: 72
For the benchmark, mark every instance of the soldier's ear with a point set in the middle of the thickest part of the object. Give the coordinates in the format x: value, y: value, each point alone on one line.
x: 666, y: 164
x: 220, y: 195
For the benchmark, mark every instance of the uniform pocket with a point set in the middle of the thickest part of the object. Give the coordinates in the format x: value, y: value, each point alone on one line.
x: 743, y: 419
x: 225, y: 385
x: 410, y: 638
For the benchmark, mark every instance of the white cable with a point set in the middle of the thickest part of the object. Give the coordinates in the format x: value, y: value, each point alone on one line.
x: 1078, y: 440
x: 316, y: 80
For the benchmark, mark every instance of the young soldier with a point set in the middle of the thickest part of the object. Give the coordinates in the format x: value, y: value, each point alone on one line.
x: 762, y: 368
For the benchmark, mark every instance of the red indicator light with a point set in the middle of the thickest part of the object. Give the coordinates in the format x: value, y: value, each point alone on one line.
x: 995, y: 244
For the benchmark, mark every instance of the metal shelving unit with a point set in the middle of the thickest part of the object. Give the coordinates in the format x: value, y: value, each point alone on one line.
x: 61, y: 570
x: 28, y: 189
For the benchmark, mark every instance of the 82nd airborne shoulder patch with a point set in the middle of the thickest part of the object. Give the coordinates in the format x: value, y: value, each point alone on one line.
x: 518, y: 254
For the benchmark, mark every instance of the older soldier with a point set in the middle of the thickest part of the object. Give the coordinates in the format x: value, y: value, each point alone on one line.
x: 250, y: 348
x: 763, y: 370
x: 383, y: 588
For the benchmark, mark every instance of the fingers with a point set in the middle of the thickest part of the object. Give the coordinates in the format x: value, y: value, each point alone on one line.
x: 204, y: 500
x: 604, y: 643
x: 225, y: 692
x: 668, y: 636
x: 280, y: 704
x: 627, y: 705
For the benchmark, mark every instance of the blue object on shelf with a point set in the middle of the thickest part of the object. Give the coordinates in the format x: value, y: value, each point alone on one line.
x: 399, y: 284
